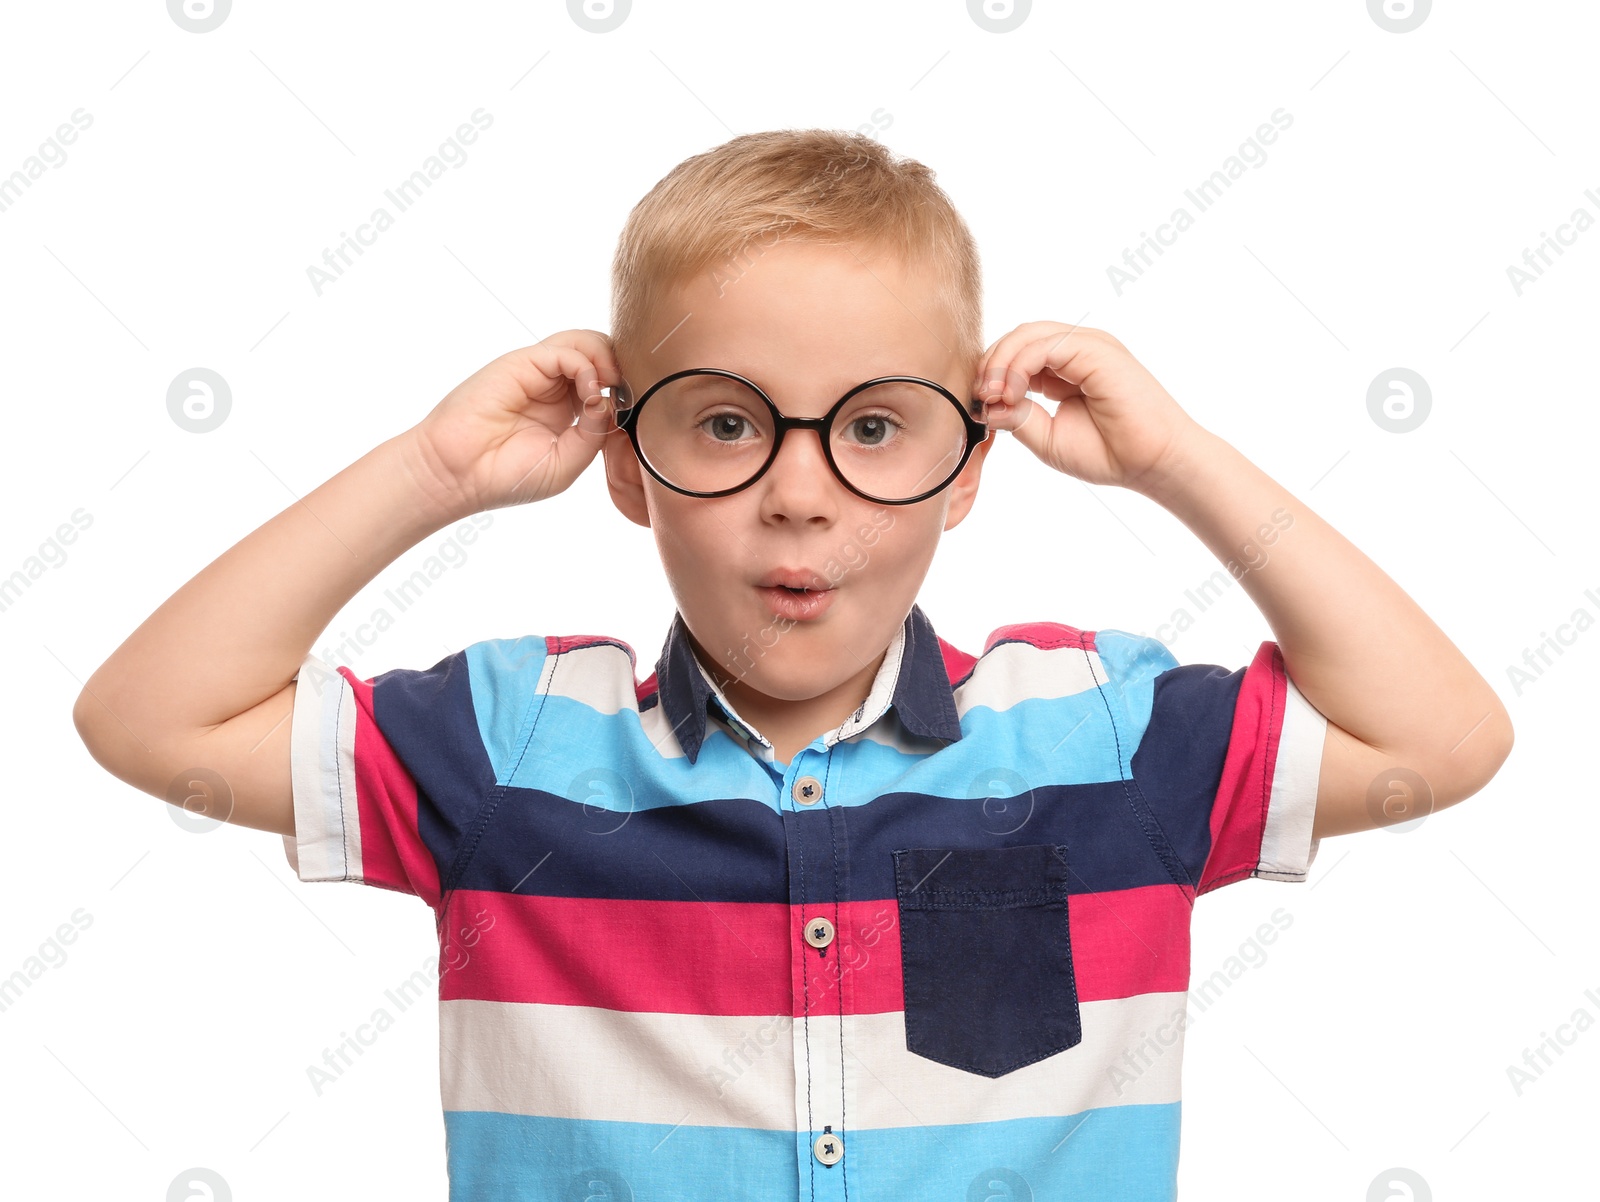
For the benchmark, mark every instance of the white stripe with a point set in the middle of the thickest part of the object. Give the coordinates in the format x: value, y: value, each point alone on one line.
x: 1016, y: 672
x: 657, y: 729
x: 1287, y: 848
x: 599, y: 676
x: 585, y: 1062
x: 326, y: 845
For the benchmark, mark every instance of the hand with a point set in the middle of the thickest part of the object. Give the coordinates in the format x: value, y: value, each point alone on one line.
x: 1115, y: 424
x: 505, y: 435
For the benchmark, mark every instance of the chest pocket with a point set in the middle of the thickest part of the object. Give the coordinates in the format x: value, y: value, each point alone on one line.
x: 986, y: 955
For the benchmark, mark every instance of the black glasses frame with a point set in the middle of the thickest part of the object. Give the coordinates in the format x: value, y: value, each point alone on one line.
x: 627, y: 413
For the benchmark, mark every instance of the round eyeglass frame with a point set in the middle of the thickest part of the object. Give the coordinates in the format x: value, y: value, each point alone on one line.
x: 628, y: 409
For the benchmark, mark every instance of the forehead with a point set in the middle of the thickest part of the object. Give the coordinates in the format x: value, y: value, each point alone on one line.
x: 801, y: 315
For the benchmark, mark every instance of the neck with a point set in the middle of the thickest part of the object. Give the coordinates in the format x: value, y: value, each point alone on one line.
x: 790, y: 724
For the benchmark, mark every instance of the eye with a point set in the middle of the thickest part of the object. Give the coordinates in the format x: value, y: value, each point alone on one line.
x: 725, y: 427
x: 874, y: 429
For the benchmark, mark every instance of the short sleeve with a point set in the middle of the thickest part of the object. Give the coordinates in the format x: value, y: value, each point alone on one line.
x: 388, y: 775
x: 1228, y: 762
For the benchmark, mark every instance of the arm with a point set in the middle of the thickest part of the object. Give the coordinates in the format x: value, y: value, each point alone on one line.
x: 207, y: 679
x: 1395, y: 690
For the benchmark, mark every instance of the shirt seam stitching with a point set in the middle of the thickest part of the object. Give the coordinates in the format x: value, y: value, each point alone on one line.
x: 1142, y: 813
x: 497, y: 791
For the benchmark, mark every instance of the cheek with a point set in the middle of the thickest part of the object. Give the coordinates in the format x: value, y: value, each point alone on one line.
x: 888, y: 540
x: 696, y: 539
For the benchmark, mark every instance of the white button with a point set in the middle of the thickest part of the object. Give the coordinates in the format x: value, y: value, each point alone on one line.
x: 819, y: 932
x: 829, y: 1148
x: 807, y: 790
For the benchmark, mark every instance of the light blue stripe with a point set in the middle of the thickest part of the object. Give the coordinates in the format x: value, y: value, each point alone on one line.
x: 1132, y: 663
x: 504, y: 675
x: 1037, y: 742
x: 1111, y: 1154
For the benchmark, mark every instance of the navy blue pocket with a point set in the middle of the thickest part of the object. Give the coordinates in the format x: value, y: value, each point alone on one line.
x: 986, y: 955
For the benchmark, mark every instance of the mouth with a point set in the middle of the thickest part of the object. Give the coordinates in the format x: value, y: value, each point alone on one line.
x: 795, y: 579
x: 796, y: 593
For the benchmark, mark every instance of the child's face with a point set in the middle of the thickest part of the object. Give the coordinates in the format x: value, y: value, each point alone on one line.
x: 807, y: 323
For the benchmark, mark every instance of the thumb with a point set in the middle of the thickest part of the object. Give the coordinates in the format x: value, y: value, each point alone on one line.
x: 595, y: 421
x: 569, y: 452
x: 576, y: 446
x: 1030, y: 426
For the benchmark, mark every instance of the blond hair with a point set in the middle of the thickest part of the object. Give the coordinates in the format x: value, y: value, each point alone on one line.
x: 716, y: 211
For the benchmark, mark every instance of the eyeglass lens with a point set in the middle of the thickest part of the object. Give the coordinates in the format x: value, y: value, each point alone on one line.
x: 892, y: 441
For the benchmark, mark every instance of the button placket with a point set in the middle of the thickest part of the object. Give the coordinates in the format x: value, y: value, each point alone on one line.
x: 829, y: 1148
x: 818, y: 932
x: 815, y: 884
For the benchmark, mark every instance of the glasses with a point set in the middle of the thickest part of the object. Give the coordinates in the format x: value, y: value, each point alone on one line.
x: 706, y: 432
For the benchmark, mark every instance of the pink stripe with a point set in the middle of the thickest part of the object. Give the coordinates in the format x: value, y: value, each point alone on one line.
x: 647, y: 688
x: 1239, y: 812
x: 557, y: 644
x: 386, y: 801
x: 746, y: 958
x: 1047, y: 636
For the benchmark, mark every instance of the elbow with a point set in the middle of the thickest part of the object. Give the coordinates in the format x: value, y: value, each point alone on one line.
x: 84, y: 712
x: 1508, y: 740
x: 89, y: 718
x: 1499, y: 739
x: 1481, y: 755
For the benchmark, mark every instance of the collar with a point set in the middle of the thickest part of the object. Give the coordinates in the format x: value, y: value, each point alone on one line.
x: 912, y: 678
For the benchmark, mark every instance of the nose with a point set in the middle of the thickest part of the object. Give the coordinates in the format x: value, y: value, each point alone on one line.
x: 800, y: 484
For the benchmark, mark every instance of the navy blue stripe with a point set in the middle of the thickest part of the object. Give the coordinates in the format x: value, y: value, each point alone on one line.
x: 731, y: 849
x: 1179, y: 761
x: 428, y: 718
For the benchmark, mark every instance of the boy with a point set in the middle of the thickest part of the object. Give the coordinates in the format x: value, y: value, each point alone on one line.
x: 824, y: 906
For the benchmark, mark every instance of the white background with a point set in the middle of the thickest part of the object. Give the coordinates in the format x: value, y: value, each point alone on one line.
x: 1418, y: 966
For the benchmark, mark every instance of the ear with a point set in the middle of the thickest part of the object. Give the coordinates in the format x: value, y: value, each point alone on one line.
x: 964, y: 488
x: 624, y: 478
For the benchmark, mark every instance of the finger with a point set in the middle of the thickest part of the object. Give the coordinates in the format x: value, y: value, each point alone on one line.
x: 1071, y: 354
x: 551, y: 369
x: 588, y: 348
x: 980, y: 376
x: 981, y: 381
x: 1055, y: 388
x: 602, y: 353
x: 595, y: 420
x: 999, y: 376
x: 558, y: 458
x: 1030, y: 425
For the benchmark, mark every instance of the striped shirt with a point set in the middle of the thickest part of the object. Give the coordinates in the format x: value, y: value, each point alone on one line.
x: 942, y: 953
